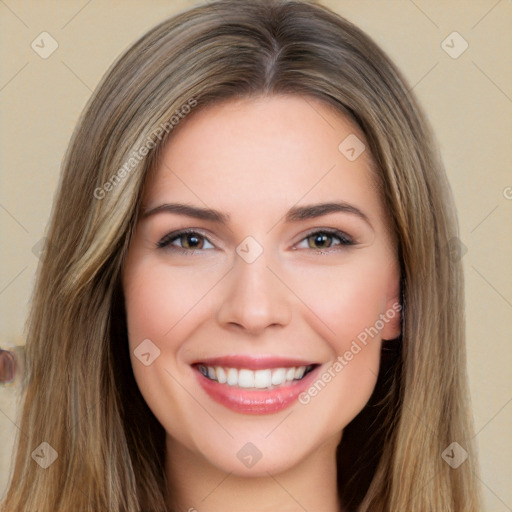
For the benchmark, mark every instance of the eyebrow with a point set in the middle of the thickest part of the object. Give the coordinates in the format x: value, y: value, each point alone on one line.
x: 190, y: 211
x: 299, y: 213
x: 295, y: 214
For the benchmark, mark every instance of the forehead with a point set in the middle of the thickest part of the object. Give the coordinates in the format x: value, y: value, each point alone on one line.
x: 243, y: 155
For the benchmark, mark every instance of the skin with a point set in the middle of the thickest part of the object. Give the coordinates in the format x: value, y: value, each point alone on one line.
x: 254, y: 159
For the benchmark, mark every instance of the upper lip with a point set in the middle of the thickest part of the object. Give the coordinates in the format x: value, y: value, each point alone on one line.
x: 254, y: 362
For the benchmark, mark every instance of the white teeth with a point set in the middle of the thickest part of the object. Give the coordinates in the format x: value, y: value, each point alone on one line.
x: 245, y: 378
x: 232, y: 377
x: 278, y: 376
x: 259, y: 379
x: 299, y: 372
x: 221, y: 375
x: 262, y: 378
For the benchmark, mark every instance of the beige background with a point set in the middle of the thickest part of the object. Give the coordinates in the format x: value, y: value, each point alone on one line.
x: 468, y: 100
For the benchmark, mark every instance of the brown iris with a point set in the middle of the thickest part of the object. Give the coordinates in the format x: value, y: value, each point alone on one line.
x: 320, y: 241
x: 191, y: 241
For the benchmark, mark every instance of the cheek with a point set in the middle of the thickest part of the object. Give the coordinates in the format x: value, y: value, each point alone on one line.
x: 345, y: 302
x: 164, y: 305
x: 161, y: 301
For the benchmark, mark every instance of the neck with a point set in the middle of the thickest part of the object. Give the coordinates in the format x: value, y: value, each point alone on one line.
x: 195, y: 485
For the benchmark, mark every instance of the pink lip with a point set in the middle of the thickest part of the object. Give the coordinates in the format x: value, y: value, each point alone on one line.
x: 253, y: 363
x: 255, y: 401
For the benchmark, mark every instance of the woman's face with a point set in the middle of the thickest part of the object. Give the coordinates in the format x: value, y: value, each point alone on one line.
x: 287, y: 271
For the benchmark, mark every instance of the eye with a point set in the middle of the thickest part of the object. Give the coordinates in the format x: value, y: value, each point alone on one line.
x: 325, y: 239
x: 188, y: 240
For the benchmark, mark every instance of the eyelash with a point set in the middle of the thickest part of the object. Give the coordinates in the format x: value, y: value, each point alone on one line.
x: 167, y: 240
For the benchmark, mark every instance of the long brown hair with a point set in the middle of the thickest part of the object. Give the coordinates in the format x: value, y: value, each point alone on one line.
x: 79, y: 392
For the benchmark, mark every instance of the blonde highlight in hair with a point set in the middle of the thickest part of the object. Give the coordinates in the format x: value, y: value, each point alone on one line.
x: 79, y: 392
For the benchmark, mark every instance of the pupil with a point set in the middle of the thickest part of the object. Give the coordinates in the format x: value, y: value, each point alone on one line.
x: 321, y: 240
x: 191, y: 241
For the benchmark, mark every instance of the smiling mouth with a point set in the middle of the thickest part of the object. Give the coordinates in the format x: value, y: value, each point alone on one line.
x: 265, y: 378
x: 255, y: 384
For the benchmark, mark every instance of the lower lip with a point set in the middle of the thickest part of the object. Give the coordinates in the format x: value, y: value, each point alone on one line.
x: 255, y: 401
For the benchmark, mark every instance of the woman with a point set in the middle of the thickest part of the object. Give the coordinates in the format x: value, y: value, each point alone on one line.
x: 247, y: 295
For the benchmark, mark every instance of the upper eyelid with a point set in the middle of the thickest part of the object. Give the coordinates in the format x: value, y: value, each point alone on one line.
x: 331, y: 231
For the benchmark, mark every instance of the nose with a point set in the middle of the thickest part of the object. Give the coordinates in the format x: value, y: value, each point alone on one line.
x: 253, y: 298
